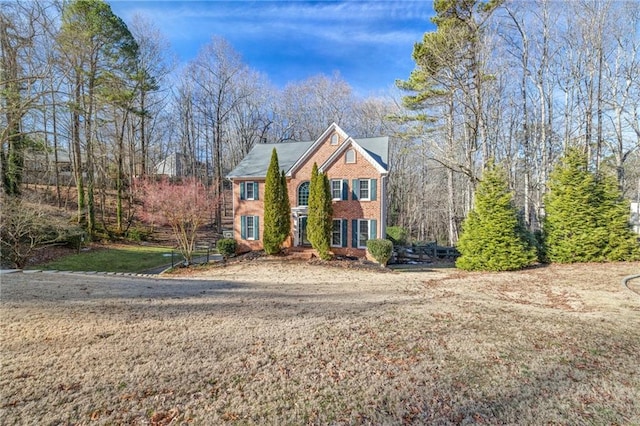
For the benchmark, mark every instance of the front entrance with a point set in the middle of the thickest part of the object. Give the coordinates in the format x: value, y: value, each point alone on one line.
x: 302, y: 231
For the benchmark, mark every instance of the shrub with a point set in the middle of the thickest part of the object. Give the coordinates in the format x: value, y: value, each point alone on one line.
x: 320, y: 220
x: 226, y: 247
x: 26, y: 227
x: 493, y: 236
x: 380, y: 249
x: 138, y: 234
x: 277, y: 213
x: 397, y: 234
x: 587, y: 218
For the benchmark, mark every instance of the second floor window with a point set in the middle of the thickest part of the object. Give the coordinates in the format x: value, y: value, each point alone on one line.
x: 248, y: 190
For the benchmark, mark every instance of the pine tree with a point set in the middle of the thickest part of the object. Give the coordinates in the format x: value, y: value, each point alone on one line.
x: 319, y: 222
x: 586, y: 218
x: 493, y: 237
x: 621, y: 242
x: 276, y: 208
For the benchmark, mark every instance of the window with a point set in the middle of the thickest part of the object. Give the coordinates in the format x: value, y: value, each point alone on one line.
x: 363, y: 233
x: 336, y: 233
x: 248, y: 190
x: 334, y: 139
x: 363, y: 230
x: 303, y: 194
x: 336, y: 189
x: 364, y: 189
x: 350, y: 156
x: 249, y: 228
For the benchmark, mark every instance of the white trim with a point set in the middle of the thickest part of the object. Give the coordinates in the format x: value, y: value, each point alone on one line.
x: 383, y: 207
x: 307, y: 154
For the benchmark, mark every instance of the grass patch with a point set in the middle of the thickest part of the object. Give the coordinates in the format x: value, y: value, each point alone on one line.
x: 113, y: 259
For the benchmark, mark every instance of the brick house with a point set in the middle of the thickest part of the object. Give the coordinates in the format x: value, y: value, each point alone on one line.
x: 357, y: 170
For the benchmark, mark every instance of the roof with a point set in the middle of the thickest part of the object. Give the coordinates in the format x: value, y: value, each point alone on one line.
x: 256, y: 163
x: 378, y: 149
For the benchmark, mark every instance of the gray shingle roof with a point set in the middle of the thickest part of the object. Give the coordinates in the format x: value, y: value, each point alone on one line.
x: 378, y: 148
x: 256, y: 163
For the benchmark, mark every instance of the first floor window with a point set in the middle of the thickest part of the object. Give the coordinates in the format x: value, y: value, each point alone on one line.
x: 249, y: 227
x: 336, y: 233
x: 363, y: 233
x: 363, y: 230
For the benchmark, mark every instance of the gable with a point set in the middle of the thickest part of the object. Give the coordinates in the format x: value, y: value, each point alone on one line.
x: 321, y: 149
x: 377, y: 160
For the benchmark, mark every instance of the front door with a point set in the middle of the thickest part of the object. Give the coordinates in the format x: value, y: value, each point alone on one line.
x: 302, y: 231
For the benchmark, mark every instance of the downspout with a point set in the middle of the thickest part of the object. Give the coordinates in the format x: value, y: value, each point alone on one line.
x: 383, y: 207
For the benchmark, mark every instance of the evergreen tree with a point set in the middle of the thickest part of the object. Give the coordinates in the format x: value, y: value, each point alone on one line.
x: 493, y: 237
x: 284, y: 206
x: 586, y: 218
x: 276, y: 208
x: 319, y: 222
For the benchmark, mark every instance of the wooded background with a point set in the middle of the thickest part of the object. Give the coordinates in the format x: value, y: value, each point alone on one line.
x: 90, y: 103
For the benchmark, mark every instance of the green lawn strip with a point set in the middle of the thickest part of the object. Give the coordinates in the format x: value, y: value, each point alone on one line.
x: 113, y: 259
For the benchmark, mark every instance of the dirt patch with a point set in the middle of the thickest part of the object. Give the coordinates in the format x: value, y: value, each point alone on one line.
x: 277, y: 342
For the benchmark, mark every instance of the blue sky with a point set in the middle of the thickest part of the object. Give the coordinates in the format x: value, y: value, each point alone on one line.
x: 368, y: 42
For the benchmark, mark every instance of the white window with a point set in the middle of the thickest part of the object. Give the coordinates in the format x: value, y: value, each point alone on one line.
x: 334, y: 139
x: 249, y: 228
x: 336, y: 233
x: 364, y: 190
x: 363, y: 233
x: 350, y: 156
x: 251, y: 191
x: 248, y: 190
x: 363, y: 230
x: 336, y: 189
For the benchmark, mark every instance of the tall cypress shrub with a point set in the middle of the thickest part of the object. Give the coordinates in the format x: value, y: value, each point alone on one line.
x: 319, y: 221
x: 493, y: 236
x: 276, y: 202
x: 284, y: 218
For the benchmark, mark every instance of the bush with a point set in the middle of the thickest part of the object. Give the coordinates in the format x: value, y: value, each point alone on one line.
x: 226, y: 247
x: 138, y: 234
x: 26, y: 227
x: 381, y: 250
x: 397, y: 234
x: 493, y: 235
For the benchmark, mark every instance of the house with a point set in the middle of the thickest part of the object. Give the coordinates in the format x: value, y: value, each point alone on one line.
x: 180, y: 165
x: 357, y: 170
x: 635, y: 217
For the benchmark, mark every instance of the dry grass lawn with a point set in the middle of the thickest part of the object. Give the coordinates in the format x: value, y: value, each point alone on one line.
x: 273, y: 342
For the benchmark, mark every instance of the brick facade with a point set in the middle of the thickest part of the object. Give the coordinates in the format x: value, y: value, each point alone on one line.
x: 339, y: 169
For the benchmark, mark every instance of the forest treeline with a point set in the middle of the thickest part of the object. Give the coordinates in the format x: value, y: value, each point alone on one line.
x: 91, y: 103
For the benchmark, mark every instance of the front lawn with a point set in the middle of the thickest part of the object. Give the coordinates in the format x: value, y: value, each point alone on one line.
x: 120, y: 258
